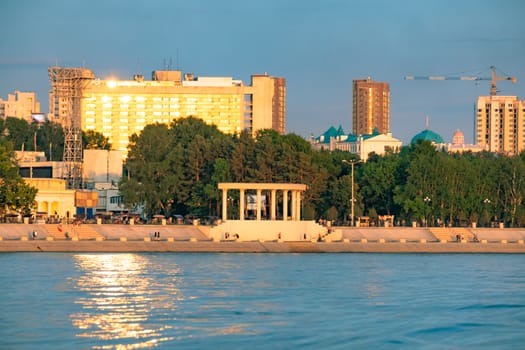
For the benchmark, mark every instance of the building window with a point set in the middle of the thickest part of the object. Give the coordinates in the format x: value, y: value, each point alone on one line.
x: 115, y: 200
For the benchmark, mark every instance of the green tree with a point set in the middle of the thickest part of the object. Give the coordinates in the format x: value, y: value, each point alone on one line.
x: 421, y: 182
x: 20, y: 133
x: 267, y: 148
x: 95, y: 140
x: 50, y: 139
x: 221, y: 173
x: 16, y: 196
x: 378, y: 182
x: 150, y: 180
x: 512, y: 181
x: 242, y: 159
x: 170, y: 166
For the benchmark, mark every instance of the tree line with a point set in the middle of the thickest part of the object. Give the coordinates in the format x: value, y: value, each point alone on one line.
x: 175, y: 168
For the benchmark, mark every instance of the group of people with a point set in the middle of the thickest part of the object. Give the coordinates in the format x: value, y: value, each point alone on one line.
x: 459, y: 238
x: 234, y: 236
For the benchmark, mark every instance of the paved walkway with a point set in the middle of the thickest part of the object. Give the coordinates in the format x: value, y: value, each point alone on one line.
x: 187, y: 238
x: 254, y: 247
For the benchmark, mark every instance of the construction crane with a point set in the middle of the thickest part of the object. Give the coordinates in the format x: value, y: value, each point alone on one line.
x: 493, y: 78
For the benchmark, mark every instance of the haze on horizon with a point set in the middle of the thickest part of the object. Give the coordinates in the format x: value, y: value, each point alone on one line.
x: 318, y: 47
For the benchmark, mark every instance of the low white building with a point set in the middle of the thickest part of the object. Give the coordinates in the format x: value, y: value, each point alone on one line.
x: 101, y: 173
x: 361, y: 145
x: 458, y: 144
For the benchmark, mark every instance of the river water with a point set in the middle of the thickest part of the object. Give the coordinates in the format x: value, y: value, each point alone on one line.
x: 261, y: 301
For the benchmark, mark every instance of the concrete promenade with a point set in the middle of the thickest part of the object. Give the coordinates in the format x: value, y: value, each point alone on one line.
x: 254, y: 247
x: 186, y: 238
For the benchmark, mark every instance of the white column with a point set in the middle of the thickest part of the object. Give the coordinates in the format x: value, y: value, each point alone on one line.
x: 224, y: 204
x: 285, y: 205
x: 258, y: 205
x: 298, y: 206
x: 274, y: 200
x: 294, y: 203
x: 241, y: 206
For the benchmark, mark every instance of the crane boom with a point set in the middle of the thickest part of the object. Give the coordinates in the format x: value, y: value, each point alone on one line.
x: 441, y: 77
x: 493, y: 78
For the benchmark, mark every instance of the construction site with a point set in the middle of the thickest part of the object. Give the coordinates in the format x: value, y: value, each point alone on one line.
x: 65, y: 100
x: 498, y: 120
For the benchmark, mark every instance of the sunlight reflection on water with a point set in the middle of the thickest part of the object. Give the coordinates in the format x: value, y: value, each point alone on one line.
x: 120, y: 297
x: 283, y: 301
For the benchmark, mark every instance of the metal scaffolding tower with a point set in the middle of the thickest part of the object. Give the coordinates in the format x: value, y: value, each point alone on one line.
x: 73, y: 158
x: 65, y: 108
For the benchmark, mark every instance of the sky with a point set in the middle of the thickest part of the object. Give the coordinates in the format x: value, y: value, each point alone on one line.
x: 319, y: 47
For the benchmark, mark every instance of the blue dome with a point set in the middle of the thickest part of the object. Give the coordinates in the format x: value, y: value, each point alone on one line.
x: 428, y: 135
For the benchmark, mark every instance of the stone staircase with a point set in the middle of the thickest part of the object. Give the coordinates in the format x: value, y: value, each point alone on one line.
x: 465, y: 233
x: 80, y: 232
x: 442, y: 233
x: 449, y: 233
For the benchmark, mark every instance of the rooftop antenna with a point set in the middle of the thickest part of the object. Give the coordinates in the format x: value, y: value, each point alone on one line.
x: 426, y: 122
x: 177, y: 58
x: 138, y: 65
x: 167, y: 66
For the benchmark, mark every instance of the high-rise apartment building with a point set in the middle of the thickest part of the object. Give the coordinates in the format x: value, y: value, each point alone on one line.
x: 370, y: 107
x: 121, y: 108
x: 21, y: 105
x: 500, y: 124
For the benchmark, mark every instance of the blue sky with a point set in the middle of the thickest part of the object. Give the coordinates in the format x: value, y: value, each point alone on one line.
x: 318, y: 46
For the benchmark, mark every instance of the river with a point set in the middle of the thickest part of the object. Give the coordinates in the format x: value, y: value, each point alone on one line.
x: 261, y: 301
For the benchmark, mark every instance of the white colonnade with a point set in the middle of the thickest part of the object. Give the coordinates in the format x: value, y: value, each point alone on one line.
x: 288, y: 190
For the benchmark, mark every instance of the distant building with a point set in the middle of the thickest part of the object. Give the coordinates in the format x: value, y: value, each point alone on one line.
x: 500, y: 124
x: 370, y: 107
x: 101, y: 168
x: 458, y: 138
x: 22, y: 105
x: 121, y: 108
x: 361, y: 145
x: 35, y: 165
x: 102, y: 171
x: 52, y: 199
x: 458, y: 144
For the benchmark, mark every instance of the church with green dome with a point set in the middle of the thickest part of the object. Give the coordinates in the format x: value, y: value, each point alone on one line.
x: 428, y: 135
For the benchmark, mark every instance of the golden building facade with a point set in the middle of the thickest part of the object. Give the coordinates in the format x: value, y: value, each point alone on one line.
x: 120, y: 108
x: 370, y: 107
x: 500, y: 124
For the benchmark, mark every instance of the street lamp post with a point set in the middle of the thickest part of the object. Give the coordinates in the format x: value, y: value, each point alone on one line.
x: 426, y: 200
x: 352, y: 163
x: 486, y: 201
x: 230, y: 203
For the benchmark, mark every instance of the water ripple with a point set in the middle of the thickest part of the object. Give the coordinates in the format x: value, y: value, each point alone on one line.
x: 283, y: 301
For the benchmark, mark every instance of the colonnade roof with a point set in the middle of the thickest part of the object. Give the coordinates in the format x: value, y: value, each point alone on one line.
x: 261, y: 186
